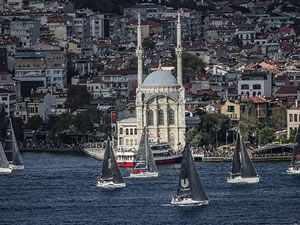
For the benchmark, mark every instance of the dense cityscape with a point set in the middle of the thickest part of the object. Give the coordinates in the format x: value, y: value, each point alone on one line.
x: 103, y: 95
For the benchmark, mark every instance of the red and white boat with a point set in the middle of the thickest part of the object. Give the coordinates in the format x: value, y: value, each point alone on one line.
x: 162, y: 152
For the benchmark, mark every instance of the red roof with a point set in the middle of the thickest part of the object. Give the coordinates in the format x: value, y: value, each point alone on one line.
x: 5, y: 73
x: 255, y: 99
x: 285, y: 30
x: 207, y: 92
x: 287, y: 90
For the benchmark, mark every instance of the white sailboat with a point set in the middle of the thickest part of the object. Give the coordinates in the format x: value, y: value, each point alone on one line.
x: 17, y: 163
x: 242, y: 170
x: 144, y: 165
x: 4, y: 164
x: 295, y: 162
x: 111, y: 177
x: 190, y: 191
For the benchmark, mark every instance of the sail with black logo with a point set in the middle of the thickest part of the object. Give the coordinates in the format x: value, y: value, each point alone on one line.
x: 190, y: 191
x: 295, y: 161
x: 110, y: 174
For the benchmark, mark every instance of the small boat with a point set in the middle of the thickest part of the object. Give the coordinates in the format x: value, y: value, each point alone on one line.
x: 4, y: 164
x: 190, y: 191
x: 17, y: 162
x: 162, y: 153
x: 243, y: 170
x: 144, y: 165
x: 111, y: 177
x: 295, y: 162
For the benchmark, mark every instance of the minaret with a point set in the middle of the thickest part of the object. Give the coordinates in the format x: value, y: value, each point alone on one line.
x: 139, y: 52
x: 179, y: 52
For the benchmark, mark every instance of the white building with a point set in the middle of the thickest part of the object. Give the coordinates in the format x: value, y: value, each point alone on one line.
x: 8, y: 98
x: 160, y: 102
x: 255, y: 84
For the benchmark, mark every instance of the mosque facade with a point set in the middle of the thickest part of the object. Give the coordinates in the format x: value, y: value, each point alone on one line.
x: 160, y: 104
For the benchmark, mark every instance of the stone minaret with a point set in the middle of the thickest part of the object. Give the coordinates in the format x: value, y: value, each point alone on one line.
x: 139, y: 52
x: 179, y: 52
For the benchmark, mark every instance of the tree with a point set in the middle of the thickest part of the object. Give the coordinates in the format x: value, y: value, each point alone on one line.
x: 238, y: 41
x: 278, y: 118
x: 191, y: 65
x: 266, y: 135
x: 292, y: 136
x: 148, y: 44
x: 247, y: 125
x: 35, y: 122
x: 77, y: 97
x: 132, y: 64
x: 18, y: 125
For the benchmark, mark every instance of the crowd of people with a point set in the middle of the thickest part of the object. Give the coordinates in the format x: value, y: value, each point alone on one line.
x: 44, y: 145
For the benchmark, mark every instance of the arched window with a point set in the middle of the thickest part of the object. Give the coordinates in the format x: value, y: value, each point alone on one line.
x: 247, y: 93
x: 127, y: 131
x: 242, y: 93
x: 121, y: 130
x: 150, y: 117
x: 160, y: 117
x: 245, y: 87
x: 171, y: 116
x: 254, y: 94
x: 131, y: 131
x: 259, y: 93
x: 256, y: 86
x: 135, y: 131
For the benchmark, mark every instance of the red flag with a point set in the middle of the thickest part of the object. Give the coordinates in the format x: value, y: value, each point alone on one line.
x: 97, y: 177
x: 113, y: 117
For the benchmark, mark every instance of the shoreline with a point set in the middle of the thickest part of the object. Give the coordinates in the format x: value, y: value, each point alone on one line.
x: 55, y: 150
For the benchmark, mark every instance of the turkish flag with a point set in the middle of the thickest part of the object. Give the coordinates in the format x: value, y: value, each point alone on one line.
x: 114, y: 116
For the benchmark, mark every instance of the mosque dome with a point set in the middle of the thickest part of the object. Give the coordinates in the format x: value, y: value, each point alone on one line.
x: 160, y: 79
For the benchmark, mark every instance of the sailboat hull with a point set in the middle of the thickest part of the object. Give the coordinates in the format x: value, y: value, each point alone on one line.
x: 293, y: 171
x: 187, y: 202
x: 5, y: 170
x: 14, y: 167
x: 110, y: 185
x: 144, y: 174
x: 242, y: 180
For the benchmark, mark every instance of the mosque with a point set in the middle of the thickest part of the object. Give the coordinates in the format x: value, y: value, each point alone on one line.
x: 160, y: 103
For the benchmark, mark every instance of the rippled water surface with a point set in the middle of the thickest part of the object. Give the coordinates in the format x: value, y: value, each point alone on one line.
x: 60, y: 189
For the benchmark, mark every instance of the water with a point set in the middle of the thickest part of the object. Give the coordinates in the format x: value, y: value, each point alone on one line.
x: 60, y: 189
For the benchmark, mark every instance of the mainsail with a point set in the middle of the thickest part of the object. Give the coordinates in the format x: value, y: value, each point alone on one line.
x: 296, y: 150
x: 247, y: 167
x: 110, y: 169
x: 17, y: 159
x: 189, y: 185
x: 236, y: 162
x: 3, y: 160
x: 144, y: 160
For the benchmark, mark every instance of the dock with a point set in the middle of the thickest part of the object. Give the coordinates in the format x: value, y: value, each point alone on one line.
x: 270, y: 158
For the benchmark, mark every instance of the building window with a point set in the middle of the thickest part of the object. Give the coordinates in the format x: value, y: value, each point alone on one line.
x: 256, y: 86
x: 135, y: 131
x: 127, y: 131
x: 171, y: 116
x: 121, y: 130
x: 291, y: 117
x: 245, y: 87
x: 150, y: 117
x: 295, y: 117
x: 230, y: 108
x: 160, y: 117
x: 131, y: 131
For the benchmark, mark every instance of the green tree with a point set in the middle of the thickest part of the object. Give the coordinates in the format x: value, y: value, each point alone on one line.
x: 292, y: 137
x: 131, y: 64
x: 238, y: 41
x: 247, y: 126
x: 266, y: 135
x: 18, y: 125
x: 77, y: 97
x: 191, y: 66
x: 35, y: 122
x: 148, y: 44
x: 278, y: 118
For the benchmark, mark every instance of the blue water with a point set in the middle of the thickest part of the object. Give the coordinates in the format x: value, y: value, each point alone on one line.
x: 60, y: 189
